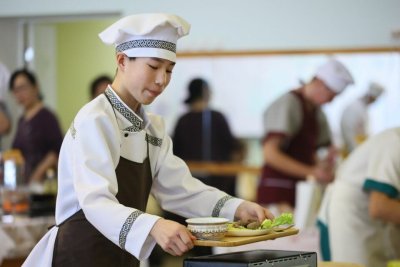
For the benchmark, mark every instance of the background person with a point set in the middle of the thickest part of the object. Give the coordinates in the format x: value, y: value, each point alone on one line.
x: 295, y: 127
x: 360, y: 216
x: 354, y: 120
x: 99, y: 85
x: 38, y: 135
x: 115, y: 154
x: 203, y: 134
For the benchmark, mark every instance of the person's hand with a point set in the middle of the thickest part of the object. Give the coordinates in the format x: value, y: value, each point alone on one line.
x: 172, y: 237
x: 332, y: 155
x: 323, y: 173
x: 252, y: 211
x: 324, y: 170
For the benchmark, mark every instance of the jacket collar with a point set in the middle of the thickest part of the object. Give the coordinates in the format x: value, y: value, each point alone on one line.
x: 133, y: 122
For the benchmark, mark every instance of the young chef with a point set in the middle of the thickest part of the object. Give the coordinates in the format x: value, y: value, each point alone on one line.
x: 115, y: 154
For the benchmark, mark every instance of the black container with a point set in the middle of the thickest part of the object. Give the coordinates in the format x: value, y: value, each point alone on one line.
x: 259, y: 258
x: 42, y: 205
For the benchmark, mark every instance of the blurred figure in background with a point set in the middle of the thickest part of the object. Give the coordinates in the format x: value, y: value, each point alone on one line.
x: 99, y: 85
x: 38, y: 134
x: 354, y: 121
x: 203, y: 134
x: 5, y: 120
x: 295, y: 127
x: 360, y: 215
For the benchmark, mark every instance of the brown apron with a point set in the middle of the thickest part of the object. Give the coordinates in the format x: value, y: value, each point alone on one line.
x: 79, y: 244
x: 277, y: 186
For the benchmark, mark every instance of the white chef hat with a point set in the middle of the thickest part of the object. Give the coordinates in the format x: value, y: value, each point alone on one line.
x: 375, y: 89
x: 146, y: 35
x: 335, y: 75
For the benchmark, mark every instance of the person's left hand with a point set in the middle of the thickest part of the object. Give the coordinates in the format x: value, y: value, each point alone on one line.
x: 252, y: 211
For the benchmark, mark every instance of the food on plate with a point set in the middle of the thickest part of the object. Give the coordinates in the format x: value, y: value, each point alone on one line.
x: 251, y: 224
x: 283, y: 219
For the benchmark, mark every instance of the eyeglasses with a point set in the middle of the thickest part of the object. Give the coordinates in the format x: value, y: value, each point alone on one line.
x: 21, y: 88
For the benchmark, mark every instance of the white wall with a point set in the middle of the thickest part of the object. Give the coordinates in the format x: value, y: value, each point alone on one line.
x: 10, y: 32
x: 242, y: 87
x: 253, y: 24
x: 44, y: 62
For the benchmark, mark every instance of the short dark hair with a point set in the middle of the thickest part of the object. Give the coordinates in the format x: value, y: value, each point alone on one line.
x: 28, y: 74
x: 97, y: 81
x: 197, y: 87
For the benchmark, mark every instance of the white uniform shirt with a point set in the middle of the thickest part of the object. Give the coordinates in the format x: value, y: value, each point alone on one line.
x: 285, y: 116
x: 99, y: 135
x: 353, y: 235
x: 354, y: 123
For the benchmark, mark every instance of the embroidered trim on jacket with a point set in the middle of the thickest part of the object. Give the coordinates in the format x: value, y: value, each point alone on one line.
x: 146, y: 43
x: 127, y: 227
x: 155, y: 141
x: 219, y: 205
x: 137, y: 124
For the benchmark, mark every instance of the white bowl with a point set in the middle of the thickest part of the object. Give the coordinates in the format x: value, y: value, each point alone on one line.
x: 208, y: 228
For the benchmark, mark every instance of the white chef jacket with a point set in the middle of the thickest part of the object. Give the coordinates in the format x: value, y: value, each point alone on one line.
x: 353, y: 235
x: 354, y: 123
x: 100, y: 134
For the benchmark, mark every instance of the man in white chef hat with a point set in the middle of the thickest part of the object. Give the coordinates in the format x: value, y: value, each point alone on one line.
x: 295, y: 127
x: 354, y: 120
x: 115, y: 154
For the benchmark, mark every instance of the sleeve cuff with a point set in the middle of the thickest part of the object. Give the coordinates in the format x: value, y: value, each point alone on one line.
x: 229, y: 209
x: 387, y: 189
x: 139, y: 242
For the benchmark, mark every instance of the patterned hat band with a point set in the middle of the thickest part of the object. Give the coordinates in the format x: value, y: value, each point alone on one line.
x: 146, y: 43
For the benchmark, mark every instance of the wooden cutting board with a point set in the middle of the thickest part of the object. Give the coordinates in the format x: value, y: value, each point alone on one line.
x: 232, y: 241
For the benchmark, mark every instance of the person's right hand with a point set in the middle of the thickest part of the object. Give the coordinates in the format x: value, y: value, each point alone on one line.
x: 172, y: 237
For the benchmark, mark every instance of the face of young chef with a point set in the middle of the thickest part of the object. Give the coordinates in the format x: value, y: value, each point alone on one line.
x: 143, y: 79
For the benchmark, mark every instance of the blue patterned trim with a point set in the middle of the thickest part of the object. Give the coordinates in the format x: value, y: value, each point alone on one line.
x: 155, y: 141
x: 137, y: 124
x: 324, y: 241
x: 146, y: 43
x: 127, y: 227
x: 219, y: 205
x: 73, y: 130
x: 387, y: 189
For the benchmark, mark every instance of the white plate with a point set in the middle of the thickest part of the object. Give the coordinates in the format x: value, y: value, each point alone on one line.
x: 282, y: 227
x: 247, y: 232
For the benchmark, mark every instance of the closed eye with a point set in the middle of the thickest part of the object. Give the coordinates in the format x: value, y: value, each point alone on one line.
x: 153, y: 67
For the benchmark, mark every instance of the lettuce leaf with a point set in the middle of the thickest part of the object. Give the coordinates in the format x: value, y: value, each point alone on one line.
x: 266, y: 224
x: 284, y: 218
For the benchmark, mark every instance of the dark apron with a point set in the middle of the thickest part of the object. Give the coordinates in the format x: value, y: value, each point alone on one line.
x: 79, y: 244
x: 277, y: 186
